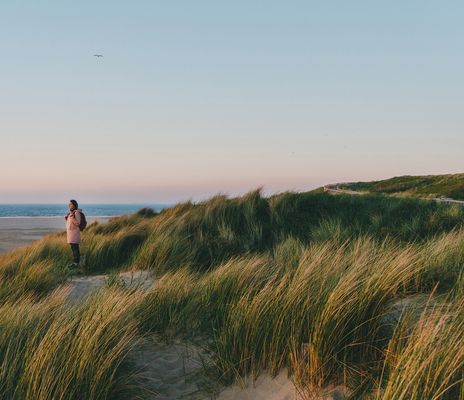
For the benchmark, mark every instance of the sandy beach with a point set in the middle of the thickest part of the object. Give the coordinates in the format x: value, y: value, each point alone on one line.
x: 20, y: 231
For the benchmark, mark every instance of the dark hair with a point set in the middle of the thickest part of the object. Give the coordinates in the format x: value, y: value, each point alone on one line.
x: 74, y: 203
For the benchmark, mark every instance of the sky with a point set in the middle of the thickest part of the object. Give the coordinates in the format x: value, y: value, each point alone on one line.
x: 193, y: 98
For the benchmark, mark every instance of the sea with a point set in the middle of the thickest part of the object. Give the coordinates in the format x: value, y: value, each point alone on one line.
x: 59, y: 210
x: 22, y: 224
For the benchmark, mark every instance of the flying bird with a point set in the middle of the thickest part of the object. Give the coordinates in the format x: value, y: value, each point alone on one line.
x: 98, y: 55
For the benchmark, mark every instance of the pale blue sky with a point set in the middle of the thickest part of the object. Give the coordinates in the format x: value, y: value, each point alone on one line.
x: 198, y: 97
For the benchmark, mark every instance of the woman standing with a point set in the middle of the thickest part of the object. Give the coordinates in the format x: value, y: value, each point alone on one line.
x: 73, y: 231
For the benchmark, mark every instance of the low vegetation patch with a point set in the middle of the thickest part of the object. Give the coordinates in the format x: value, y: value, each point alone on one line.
x: 448, y: 186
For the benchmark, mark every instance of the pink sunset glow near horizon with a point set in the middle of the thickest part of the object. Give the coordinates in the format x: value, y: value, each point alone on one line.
x: 190, y: 100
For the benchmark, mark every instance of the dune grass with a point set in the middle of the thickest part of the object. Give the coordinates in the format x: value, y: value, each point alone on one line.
x: 202, y: 236
x: 304, y: 281
x: 51, y: 350
x: 322, y: 315
x: 36, y: 269
x: 450, y: 186
x: 429, y: 362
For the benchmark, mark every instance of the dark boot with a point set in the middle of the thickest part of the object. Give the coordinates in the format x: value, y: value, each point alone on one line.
x: 76, y: 254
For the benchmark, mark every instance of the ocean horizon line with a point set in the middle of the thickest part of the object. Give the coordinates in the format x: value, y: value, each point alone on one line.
x: 87, y: 204
x: 97, y: 210
x: 57, y: 216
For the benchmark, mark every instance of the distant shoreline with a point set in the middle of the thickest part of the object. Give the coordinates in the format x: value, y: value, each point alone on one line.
x: 18, y: 231
x: 60, y: 216
x: 60, y: 210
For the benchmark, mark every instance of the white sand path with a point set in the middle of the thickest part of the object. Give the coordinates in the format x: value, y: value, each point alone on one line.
x: 279, y: 388
x: 82, y: 285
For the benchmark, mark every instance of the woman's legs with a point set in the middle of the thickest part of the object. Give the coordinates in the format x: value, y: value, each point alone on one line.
x: 76, y: 253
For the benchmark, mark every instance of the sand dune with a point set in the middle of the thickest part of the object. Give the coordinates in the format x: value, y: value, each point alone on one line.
x: 263, y: 388
x: 176, y: 371
x: 173, y: 371
x: 281, y: 387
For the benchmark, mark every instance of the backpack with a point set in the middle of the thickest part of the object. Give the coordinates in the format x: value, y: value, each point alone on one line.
x: 83, y: 223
